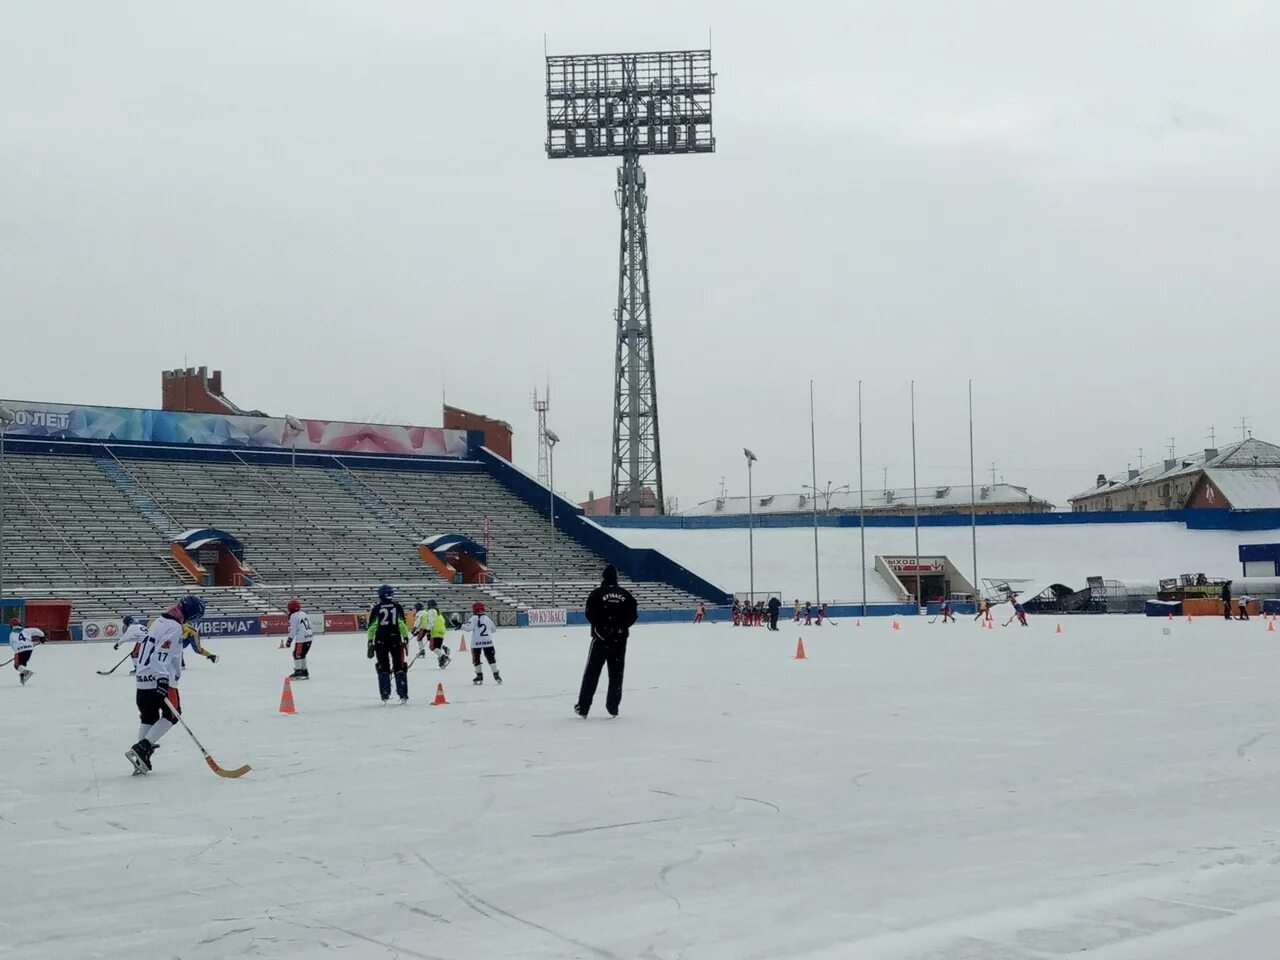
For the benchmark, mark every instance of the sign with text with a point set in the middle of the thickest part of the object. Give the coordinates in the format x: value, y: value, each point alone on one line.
x: 549, y: 617
x: 230, y: 627
x: 917, y: 564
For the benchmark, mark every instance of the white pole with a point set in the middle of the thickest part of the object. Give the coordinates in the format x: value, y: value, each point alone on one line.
x: 552, y: 439
x: 973, y: 502
x: 751, y: 524
x: 813, y: 465
x: 862, y: 506
x: 915, y: 490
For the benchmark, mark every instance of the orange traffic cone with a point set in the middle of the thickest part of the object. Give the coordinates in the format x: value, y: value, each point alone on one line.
x: 439, y: 700
x: 281, y: 647
x: 286, y: 697
x: 896, y: 626
x: 1271, y: 626
x: 1170, y: 614
x: 1059, y: 630
x: 859, y: 622
x: 1188, y: 618
x: 800, y: 649
x: 462, y: 644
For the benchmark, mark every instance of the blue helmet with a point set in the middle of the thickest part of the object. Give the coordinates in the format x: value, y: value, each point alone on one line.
x: 128, y: 622
x: 418, y: 605
x: 431, y: 604
x: 192, y: 608
x: 386, y: 592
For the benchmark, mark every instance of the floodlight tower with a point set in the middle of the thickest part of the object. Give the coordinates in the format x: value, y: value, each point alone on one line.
x: 631, y: 105
x: 540, y: 406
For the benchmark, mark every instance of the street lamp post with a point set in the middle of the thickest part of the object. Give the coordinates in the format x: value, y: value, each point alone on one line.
x: 552, y: 440
x: 751, y: 523
x: 7, y: 417
x: 294, y: 426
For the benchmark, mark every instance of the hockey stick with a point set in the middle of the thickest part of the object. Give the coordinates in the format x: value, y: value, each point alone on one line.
x: 934, y: 620
x: 213, y: 764
x: 107, y: 673
x: 410, y: 664
x: 10, y: 660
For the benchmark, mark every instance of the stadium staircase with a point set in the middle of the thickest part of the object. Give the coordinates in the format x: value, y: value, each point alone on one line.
x: 138, y: 495
x: 375, y: 504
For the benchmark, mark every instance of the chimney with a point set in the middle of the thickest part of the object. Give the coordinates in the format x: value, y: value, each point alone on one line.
x: 1169, y: 465
x: 1133, y: 474
x: 1102, y: 479
x: 1210, y: 454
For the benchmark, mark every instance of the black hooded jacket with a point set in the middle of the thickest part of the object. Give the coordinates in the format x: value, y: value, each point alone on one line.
x: 611, y: 609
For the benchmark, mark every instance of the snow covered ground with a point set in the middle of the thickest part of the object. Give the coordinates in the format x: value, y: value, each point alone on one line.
x: 938, y: 793
x: 1067, y: 554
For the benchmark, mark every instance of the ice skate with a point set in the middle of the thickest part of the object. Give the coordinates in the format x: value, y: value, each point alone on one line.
x: 24, y: 675
x: 478, y: 679
x: 577, y: 708
x: 445, y: 659
x: 140, y: 756
x: 497, y: 678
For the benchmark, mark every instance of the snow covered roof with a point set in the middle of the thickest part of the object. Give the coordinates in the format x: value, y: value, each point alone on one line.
x: 1248, y: 488
x: 931, y: 498
x: 1243, y: 453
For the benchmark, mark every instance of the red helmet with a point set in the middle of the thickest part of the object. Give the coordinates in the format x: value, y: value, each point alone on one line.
x: 477, y: 607
x: 15, y: 622
x: 293, y: 606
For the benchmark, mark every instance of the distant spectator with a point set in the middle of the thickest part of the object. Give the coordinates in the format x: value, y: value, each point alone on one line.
x: 1226, y: 600
x: 775, y: 605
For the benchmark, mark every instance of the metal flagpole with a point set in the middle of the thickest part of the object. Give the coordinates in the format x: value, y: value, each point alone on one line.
x: 813, y: 464
x: 973, y: 501
x: 552, y: 440
x: 751, y: 528
x: 915, y: 490
x: 862, y: 506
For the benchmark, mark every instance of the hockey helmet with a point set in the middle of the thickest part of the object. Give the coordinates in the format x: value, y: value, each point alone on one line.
x: 477, y: 607
x: 15, y: 622
x: 128, y: 622
x: 431, y: 604
x: 386, y: 592
x: 418, y: 605
x: 192, y: 608
x: 294, y: 605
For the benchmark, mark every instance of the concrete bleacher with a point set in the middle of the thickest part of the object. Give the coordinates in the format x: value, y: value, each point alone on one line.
x: 93, y: 531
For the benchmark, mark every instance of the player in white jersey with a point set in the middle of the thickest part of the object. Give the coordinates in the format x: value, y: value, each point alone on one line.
x: 481, y: 629
x: 429, y: 627
x: 300, y: 635
x: 22, y: 641
x: 134, y: 633
x: 421, y: 629
x: 159, y: 670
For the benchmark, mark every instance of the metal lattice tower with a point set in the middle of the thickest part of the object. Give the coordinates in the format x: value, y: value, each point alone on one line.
x: 540, y: 407
x: 630, y: 105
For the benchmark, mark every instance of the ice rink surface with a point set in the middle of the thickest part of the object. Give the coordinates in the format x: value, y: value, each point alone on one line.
x: 937, y: 793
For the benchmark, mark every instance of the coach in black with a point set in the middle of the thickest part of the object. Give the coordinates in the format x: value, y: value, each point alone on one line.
x: 611, y: 611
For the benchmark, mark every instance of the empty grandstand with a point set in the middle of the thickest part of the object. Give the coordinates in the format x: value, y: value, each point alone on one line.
x: 119, y: 517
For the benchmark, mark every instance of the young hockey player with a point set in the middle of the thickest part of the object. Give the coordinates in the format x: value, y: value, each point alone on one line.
x: 736, y: 611
x: 437, y: 626
x: 134, y: 633
x: 481, y: 630
x: 22, y: 641
x: 388, y: 641
x: 984, y: 610
x: 808, y: 613
x: 191, y: 638
x: 611, y: 611
x: 159, y: 670
x: 822, y: 614
x: 948, y: 615
x: 700, y: 613
x: 795, y: 615
x: 300, y: 637
x: 1020, y: 612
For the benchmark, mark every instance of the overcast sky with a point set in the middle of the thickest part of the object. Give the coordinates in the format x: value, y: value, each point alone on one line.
x: 346, y: 207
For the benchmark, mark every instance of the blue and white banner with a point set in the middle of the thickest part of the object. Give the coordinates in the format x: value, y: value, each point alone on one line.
x: 230, y: 627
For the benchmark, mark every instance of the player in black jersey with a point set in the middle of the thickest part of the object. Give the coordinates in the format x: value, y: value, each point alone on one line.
x: 388, y: 641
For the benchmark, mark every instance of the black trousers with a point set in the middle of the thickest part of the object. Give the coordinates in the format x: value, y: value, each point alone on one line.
x: 1226, y: 609
x: 612, y: 653
x: 152, y: 705
x: 391, y: 658
x: 773, y: 619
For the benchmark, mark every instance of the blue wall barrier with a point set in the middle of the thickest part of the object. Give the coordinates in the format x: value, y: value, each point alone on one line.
x: 1193, y: 519
x: 638, y: 563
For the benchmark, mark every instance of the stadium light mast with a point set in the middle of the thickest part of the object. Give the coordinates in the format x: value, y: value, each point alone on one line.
x: 631, y: 105
x: 751, y: 527
x: 552, y: 439
x: 7, y: 417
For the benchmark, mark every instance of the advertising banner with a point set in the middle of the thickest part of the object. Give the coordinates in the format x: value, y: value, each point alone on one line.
x: 548, y: 618
x: 345, y: 622
x: 109, y: 630
x: 133, y: 425
x: 278, y: 623
x: 230, y: 627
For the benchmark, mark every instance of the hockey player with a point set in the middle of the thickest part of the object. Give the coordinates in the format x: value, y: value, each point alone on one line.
x: 420, y: 628
x: 948, y: 615
x: 191, y: 639
x: 700, y: 613
x: 984, y: 610
x: 300, y: 637
x: 159, y: 670
x: 611, y: 611
x: 808, y: 613
x: 22, y: 641
x: 795, y: 616
x: 481, y: 630
x: 437, y: 627
x: 388, y: 641
x: 736, y: 610
x: 134, y: 632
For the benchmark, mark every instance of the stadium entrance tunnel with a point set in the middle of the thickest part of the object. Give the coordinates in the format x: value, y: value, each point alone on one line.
x: 456, y: 558
x: 212, y: 558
